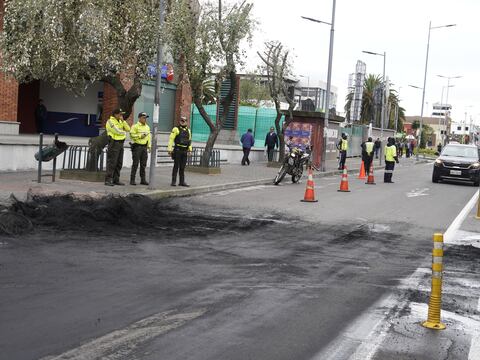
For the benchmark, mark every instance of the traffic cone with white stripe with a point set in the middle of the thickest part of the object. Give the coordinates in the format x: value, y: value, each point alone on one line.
x: 310, y: 190
x: 362, y: 174
x: 371, y: 179
x: 344, y: 181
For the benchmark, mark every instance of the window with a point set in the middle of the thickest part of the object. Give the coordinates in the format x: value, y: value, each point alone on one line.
x: 459, y: 128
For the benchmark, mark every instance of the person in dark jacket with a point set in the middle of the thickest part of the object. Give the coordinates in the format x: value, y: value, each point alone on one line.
x: 378, y: 144
x: 247, y: 141
x: 41, y: 115
x: 271, y: 141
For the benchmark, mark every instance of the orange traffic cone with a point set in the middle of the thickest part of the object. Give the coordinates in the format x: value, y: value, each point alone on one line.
x: 310, y: 190
x: 362, y: 174
x: 344, y: 181
x: 371, y: 179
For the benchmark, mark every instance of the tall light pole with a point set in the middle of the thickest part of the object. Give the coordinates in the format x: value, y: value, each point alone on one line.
x: 156, y: 106
x: 446, y: 101
x: 329, y: 83
x: 382, y: 114
x: 430, y: 27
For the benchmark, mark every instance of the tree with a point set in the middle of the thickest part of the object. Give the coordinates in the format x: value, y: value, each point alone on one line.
x: 252, y: 91
x: 212, y: 38
x: 75, y: 43
x: 277, y: 68
x: 371, y: 105
x: 427, y: 133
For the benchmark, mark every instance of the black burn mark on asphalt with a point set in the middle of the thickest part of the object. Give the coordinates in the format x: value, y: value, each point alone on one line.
x: 117, y: 215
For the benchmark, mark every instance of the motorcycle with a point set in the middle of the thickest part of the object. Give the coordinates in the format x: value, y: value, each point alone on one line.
x: 293, y: 164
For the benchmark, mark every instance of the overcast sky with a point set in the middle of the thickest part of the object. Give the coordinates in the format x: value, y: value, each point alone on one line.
x: 398, y: 27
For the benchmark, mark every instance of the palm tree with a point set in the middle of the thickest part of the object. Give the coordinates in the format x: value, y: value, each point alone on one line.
x: 370, y: 112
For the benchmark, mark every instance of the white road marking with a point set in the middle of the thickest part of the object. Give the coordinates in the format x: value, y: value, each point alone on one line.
x: 120, y: 343
x: 449, y: 235
x: 474, y: 353
x: 418, y: 192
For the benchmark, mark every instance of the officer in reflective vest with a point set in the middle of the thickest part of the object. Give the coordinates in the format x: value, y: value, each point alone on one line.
x: 342, y: 146
x: 390, y: 160
x: 367, y: 154
x: 179, y: 146
x: 117, y: 130
x: 141, y: 146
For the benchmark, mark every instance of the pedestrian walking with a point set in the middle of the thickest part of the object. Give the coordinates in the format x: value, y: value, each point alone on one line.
x: 247, y: 141
x: 141, y: 146
x: 439, y: 148
x: 179, y: 147
x: 390, y: 159
x: 407, y: 149
x: 367, y: 154
x: 41, y: 115
x: 271, y: 142
x: 342, y: 146
x: 117, y: 129
x: 378, y: 143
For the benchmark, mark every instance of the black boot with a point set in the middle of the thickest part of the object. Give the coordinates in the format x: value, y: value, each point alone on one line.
x: 143, y: 182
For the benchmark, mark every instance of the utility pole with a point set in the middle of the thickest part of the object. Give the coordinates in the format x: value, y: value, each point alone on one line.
x: 156, y: 106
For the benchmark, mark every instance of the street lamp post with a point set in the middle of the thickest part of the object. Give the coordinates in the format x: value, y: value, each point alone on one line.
x: 156, y: 107
x: 430, y: 27
x: 446, y: 101
x: 329, y: 83
x: 382, y: 114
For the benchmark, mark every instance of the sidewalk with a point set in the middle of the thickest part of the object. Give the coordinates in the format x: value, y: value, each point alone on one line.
x: 232, y: 176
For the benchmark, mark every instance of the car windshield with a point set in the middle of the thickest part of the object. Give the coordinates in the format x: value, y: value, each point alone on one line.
x: 460, y: 151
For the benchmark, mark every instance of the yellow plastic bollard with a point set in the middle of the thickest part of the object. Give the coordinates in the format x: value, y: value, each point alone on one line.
x: 435, y: 304
x: 478, y: 208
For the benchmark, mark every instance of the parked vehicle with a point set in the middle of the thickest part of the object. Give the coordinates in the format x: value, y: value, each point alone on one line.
x: 293, y: 165
x: 458, y: 162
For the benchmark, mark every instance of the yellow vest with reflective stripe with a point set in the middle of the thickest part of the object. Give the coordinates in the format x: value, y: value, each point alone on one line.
x: 369, y: 147
x: 344, y: 145
x: 390, y: 153
x: 137, y: 134
x: 117, y: 129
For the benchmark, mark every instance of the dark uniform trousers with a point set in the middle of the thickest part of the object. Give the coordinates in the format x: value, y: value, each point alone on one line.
x: 179, y: 163
x: 343, y: 158
x: 367, y: 163
x: 389, y: 166
x: 139, y: 156
x: 114, y: 160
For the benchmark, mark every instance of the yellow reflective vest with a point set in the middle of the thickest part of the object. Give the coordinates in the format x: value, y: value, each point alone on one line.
x: 344, y: 145
x: 140, y: 134
x: 117, y: 129
x: 390, y: 153
x: 173, y: 141
x: 369, y: 147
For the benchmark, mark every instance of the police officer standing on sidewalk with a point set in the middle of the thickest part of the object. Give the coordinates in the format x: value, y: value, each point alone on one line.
x: 141, y: 146
x: 367, y: 154
x: 179, y: 146
x: 117, y: 129
x: 342, y: 146
x: 390, y: 159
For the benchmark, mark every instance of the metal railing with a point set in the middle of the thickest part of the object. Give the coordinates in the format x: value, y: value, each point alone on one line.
x: 82, y: 158
x: 197, y: 153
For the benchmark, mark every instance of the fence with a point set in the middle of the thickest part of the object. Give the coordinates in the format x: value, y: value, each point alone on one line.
x: 196, y: 157
x: 258, y: 119
x: 81, y: 158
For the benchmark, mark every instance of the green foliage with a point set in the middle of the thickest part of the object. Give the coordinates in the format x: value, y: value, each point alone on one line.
x: 72, y: 43
x: 253, y: 91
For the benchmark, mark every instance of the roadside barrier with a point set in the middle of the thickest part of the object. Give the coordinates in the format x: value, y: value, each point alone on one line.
x: 435, y: 303
x: 344, y: 181
x: 362, y: 174
x: 310, y: 190
x: 371, y: 178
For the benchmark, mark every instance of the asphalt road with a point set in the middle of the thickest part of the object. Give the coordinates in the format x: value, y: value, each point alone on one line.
x: 245, y: 274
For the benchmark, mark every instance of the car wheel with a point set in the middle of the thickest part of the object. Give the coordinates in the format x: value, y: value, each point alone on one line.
x: 435, y: 178
x: 476, y: 183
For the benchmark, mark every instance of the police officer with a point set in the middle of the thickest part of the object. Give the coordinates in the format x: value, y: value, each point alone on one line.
x: 117, y: 129
x: 141, y: 146
x: 367, y: 154
x: 342, y: 146
x: 390, y: 160
x: 179, y: 146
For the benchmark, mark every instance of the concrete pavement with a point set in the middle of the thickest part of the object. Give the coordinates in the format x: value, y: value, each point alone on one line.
x: 232, y: 176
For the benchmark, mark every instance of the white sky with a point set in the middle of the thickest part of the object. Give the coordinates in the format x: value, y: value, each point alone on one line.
x: 398, y: 27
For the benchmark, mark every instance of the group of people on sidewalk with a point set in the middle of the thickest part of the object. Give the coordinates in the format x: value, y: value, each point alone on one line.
x: 117, y: 128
